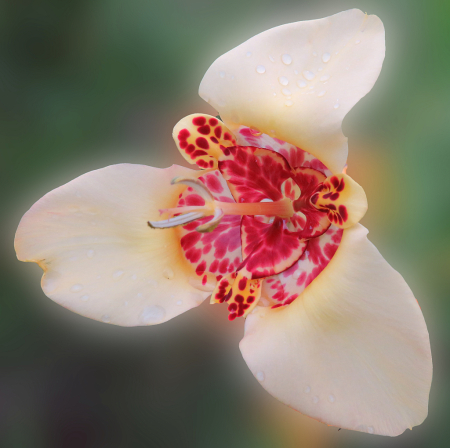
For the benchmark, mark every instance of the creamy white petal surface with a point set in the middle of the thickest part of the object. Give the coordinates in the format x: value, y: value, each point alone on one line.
x: 99, y: 256
x: 298, y: 81
x: 352, y: 351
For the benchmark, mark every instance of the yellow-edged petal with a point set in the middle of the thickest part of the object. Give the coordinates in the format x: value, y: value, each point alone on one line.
x: 343, y: 199
x: 99, y: 256
x: 352, y: 350
x: 298, y: 81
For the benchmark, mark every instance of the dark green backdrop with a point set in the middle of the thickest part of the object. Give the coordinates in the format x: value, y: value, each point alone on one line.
x: 89, y: 83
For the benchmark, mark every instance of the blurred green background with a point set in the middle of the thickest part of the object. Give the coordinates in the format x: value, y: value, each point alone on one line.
x: 90, y: 83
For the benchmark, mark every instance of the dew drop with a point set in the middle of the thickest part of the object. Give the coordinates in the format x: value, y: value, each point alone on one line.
x: 370, y: 429
x: 260, y: 376
x: 325, y: 78
x: 314, y: 53
x: 261, y: 69
x: 248, y: 54
x: 326, y: 57
x: 139, y: 295
x: 297, y: 274
x: 288, y: 103
x: 316, y: 399
x: 106, y: 318
x: 308, y: 75
x: 76, y: 287
x: 222, y: 74
x: 301, y: 83
x: 286, y: 92
x: 168, y: 273
x: 295, y: 72
x: 322, y: 93
x: 283, y: 80
x: 118, y: 274
x: 152, y: 314
x: 84, y: 298
x: 272, y: 59
x: 319, y: 69
x: 126, y: 303
x: 336, y: 106
x: 307, y: 390
x: 331, y: 398
x: 90, y: 253
x: 357, y: 42
x: 134, y: 277
x: 287, y: 59
x: 179, y: 302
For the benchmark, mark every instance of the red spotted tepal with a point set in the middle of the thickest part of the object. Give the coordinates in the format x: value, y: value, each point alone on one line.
x: 268, y: 224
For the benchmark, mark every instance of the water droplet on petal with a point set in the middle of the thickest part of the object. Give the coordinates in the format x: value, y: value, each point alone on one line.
x: 331, y: 398
x: 287, y: 59
x: 134, y: 277
x: 168, y: 273
x: 314, y: 53
x: 301, y: 83
x: 288, y: 103
x: 106, y: 318
x: 152, y: 314
x: 260, y: 376
x: 272, y: 59
x: 307, y: 390
x: 248, y: 54
x: 326, y: 57
x: 261, y: 69
x: 84, y: 298
x: 296, y: 274
x: 357, y: 42
x: 222, y: 74
x: 118, y: 274
x: 76, y: 287
x: 322, y: 93
x: 325, y: 78
x: 90, y: 253
x: 316, y: 399
x: 179, y: 302
x: 296, y: 72
x: 139, y: 295
x: 286, y: 92
x: 336, y: 106
x: 283, y: 80
x: 308, y: 75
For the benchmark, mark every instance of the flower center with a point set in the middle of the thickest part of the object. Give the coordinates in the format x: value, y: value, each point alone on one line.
x: 178, y: 216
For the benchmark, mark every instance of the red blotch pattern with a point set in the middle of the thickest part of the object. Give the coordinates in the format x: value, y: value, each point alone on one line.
x: 268, y: 248
x: 295, y: 156
x: 284, y: 288
x: 198, y: 138
x: 217, y: 252
x: 250, y: 247
x: 254, y: 174
x: 326, y: 199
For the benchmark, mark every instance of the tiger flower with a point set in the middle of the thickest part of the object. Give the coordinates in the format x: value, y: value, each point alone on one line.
x: 268, y: 226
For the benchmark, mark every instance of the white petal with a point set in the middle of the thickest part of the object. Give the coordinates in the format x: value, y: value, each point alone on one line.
x: 99, y: 256
x: 334, y: 62
x: 352, y: 351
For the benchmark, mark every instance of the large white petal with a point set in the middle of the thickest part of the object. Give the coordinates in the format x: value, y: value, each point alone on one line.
x: 99, y: 256
x: 298, y: 81
x: 352, y: 350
